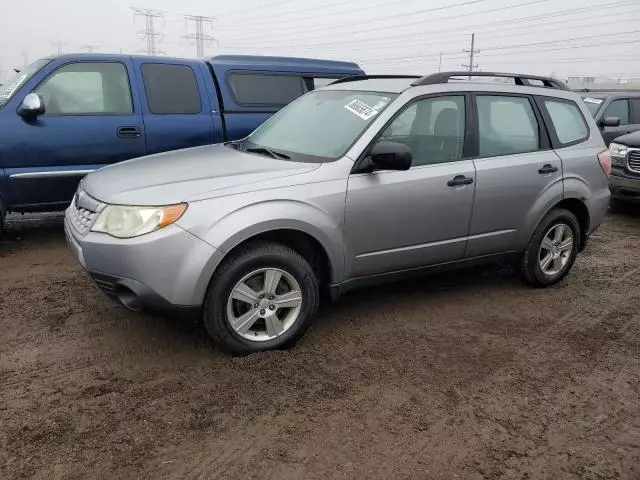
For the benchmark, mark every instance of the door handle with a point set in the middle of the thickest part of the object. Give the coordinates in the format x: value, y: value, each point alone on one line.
x: 548, y: 168
x: 128, y: 132
x: 460, y: 180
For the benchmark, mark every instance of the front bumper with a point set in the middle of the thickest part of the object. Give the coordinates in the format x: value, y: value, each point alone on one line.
x: 625, y: 185
x: 167, y: 270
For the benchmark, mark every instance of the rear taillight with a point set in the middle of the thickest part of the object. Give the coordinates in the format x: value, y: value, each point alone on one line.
x: 605, y: 162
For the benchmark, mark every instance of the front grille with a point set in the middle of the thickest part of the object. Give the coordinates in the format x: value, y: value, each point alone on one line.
x: 82, y: 218
x: 633, y: 159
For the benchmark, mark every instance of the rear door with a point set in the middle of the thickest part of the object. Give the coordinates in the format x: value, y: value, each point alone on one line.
x: 619, y: 108
x: 178, y: 110
x: 515, y: 167
x: 92, y: 119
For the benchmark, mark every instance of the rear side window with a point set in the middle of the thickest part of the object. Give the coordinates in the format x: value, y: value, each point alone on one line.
x: 265, y: 89
x: 507, y: 125
x: 171, y: 89
x: 620, y: 109
x: 567, y: 120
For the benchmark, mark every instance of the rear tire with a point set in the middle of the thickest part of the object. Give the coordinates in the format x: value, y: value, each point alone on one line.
x: 262, y: 297
x: 552, y: 249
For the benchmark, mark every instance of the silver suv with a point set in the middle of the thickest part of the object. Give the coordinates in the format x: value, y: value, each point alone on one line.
x: 366, y: 180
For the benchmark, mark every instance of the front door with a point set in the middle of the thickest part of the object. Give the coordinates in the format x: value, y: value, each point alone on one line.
x: 90, y: 121
x: 620, y: 108
x: 398, y: 220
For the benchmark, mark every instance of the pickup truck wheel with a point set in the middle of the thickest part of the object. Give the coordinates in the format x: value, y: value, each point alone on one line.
x: 552, y: 249
x: 262, y: 297
x: 617, y: 206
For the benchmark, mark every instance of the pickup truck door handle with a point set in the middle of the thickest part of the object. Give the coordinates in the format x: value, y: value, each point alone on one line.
x: 459, y: 180
x: 548, y: 168
x: 128, y: 132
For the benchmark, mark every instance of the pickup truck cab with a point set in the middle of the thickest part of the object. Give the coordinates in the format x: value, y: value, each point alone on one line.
x: 617, y: 112
x: 64, y: 117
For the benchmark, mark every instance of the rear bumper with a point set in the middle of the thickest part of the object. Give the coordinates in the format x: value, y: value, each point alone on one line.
x: 625, y: 185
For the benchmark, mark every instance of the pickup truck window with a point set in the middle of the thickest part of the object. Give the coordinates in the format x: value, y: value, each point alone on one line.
x: 619, y: 108
x: 265, y: 89
x: 19, y: 78
x: 171, y: 89
x: 321, y: 125
x: 86, y: 88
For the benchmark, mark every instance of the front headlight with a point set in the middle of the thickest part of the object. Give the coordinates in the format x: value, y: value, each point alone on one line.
x: 125, y: 221
x: 618, y: 153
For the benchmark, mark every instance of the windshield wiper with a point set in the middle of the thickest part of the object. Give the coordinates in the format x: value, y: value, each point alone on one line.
x: 266, y: 151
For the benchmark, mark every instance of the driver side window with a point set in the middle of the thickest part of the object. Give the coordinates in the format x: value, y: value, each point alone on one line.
x: 433, y: 128
x: 87, y: 89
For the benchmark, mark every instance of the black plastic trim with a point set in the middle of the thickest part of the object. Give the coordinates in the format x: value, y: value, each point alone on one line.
x: 356, y: 78
x: 520, y: 79
x: 340, y: 289
x: 149, y: 300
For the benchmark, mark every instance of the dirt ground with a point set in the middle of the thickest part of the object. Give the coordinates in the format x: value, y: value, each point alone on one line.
x: 470, y: 376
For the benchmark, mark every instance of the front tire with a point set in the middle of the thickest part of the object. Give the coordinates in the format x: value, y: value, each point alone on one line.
x: 552, y: 249
x: 262, y: 297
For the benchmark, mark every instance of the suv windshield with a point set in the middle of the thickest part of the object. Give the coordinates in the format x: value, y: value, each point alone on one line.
x: 593, y: 104
x: 18, y: 79
x: 321, y: 124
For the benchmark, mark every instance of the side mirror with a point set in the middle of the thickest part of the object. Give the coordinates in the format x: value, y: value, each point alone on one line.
x: 390, y: 156
x: 610, y: 122
x: 31, y: 106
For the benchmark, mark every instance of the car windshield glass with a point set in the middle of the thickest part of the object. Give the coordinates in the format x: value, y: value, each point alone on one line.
x: 593, y: 104
x: 322, y: 124
x: 18, y: 79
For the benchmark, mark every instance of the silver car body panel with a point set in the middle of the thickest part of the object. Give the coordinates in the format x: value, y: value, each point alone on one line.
x: 367, y: 223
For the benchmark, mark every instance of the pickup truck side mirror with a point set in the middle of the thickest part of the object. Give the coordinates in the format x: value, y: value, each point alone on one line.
x: 610, y: 122
x: 390, y: 156
x: 32, y: 106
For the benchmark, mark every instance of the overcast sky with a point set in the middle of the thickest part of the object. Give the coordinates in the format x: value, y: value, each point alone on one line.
x: 566, y: 37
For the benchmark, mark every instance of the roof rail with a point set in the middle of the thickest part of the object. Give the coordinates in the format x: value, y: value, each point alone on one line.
x: 355, y: 78
x: 518, y: 78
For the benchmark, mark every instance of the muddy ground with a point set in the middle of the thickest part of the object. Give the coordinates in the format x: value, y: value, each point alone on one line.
x: 470, y: 376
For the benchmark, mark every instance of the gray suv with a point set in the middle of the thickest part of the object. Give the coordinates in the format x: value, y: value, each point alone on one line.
x: 363, y: 181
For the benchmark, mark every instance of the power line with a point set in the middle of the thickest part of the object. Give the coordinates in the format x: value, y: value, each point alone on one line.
x: 506, y: 54
x: 367, y: 21
x: 58, y: 44
x: 446, y: 32
x: 259, y: 7
x: 199, y: 36
x: 358, y: 10
x: 447, y: 35
x: 149, y: 33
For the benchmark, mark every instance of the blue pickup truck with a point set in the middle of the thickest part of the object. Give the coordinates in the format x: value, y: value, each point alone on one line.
x: 63, y: 117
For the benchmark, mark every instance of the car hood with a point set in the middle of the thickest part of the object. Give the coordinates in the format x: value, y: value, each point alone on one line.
x: 177, y: 176
x: 630, y: 140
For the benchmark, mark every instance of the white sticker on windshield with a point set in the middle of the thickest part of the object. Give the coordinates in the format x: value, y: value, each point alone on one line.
x: 382, y: 103
x: 362, y: 110
x: 597, y: 101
